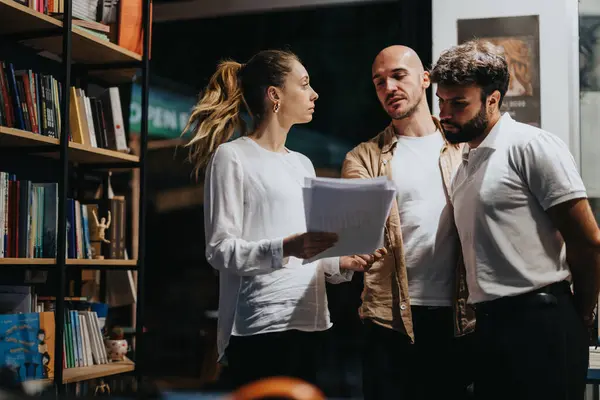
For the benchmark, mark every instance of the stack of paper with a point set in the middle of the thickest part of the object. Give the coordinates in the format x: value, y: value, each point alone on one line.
x: 355, y: 209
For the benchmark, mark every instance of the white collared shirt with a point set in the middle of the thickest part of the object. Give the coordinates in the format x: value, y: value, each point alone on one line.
x: 252, y: 200
x: 500, y: 194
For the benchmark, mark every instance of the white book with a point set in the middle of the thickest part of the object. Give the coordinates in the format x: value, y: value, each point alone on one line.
x: 90, y: 120
x: 117, y: 114
x: 103, y: 354
x: 93, y: 338
x: 88, y: 339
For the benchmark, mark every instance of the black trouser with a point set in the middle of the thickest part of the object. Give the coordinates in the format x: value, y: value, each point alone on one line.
x: 436, y: 366
x: 290, y: 353
x: 531, y: 346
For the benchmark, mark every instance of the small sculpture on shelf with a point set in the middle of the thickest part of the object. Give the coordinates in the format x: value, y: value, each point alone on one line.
x: 102, y: 226
x: 102, y: 389
x: 116, y: 344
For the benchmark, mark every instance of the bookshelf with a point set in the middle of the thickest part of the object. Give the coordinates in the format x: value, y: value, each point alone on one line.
x: 43, y: 32
x: 82, y: 154
x: 73, y: 375
x: 80, y: 55
x: 130, y: 264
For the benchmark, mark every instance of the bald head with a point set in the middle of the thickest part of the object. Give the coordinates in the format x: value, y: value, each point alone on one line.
x: 399, y: 57
x: 400, y: 81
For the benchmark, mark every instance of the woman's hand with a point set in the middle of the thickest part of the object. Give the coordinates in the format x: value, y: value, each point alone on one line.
x: 309, y: 244
x: 362, y: 262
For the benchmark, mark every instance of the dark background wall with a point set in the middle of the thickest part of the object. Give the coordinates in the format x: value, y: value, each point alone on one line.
x: 337, y: 45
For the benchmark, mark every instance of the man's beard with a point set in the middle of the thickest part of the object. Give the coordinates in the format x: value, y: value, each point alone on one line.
x: 411, y: 110
x: 471, y: 130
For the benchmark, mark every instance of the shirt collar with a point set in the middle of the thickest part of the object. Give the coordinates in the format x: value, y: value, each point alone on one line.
x: 389, y: 139
x: 492, y: 139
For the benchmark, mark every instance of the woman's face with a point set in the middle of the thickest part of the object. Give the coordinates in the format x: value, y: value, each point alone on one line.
x: 297, y: 97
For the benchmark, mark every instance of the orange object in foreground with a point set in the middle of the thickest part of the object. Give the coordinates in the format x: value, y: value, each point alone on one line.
x: 289, y: 388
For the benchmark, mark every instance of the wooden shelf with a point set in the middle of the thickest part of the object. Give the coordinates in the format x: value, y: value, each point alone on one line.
x: 17, y: 18
x: 86, y: 48
x: 70, y: 261
x: 93, y: 155
x: 71, y: 375
x: 27, y: 261
x: 77, y: 152
x: 16, y: 137
x: 105, y: 263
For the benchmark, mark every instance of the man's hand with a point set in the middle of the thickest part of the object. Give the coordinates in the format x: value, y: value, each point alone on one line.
x: 576, y: 223
x: 362, y: 262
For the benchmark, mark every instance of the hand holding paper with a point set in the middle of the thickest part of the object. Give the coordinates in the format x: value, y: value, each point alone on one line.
x: 362, y: 262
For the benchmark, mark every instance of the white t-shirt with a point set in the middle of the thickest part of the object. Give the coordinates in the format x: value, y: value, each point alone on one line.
x: 252, y: 200
x: 428, y: 233
x: 500, y: 194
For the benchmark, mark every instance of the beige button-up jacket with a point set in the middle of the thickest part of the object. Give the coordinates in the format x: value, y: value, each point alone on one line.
x: 385, y: 298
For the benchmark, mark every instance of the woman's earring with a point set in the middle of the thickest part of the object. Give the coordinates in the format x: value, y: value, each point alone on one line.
x: 276, y: 107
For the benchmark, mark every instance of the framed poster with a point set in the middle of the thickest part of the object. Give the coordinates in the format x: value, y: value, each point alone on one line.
x: 589, y: 104
x: 520, y: 41
x: 589, y: 53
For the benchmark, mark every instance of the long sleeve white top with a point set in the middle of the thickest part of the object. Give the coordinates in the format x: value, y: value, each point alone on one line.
x: 252, y: 200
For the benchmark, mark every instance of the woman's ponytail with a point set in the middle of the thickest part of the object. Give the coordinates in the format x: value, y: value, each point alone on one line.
x: 216, y: 116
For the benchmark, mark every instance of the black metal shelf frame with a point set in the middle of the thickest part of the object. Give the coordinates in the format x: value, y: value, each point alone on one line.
x: 69, y: 71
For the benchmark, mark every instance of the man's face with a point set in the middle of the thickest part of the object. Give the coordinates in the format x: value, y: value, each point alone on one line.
x: 462, y: 113
x: 400, y: 86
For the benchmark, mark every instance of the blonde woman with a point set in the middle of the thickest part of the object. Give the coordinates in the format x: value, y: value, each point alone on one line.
x: 272, y: 308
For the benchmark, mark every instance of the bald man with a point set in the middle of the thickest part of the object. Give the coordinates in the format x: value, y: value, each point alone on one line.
x: 414, y: 302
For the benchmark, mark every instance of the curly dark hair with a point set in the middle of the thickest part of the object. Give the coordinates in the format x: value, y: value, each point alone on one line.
x: 476, y: 62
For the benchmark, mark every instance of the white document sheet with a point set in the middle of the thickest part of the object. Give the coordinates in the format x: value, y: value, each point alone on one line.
x: 355, y: 209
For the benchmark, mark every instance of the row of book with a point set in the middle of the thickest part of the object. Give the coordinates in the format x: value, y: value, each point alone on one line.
x: 89, y: 10
x: 27, y: 342
x: 29, y: 222
x: 117, y: 21
x: 83, y: 340
x: 82, y: 323
x: 31, y: 101
x: 97, y: 122
x: 93, y: 16
x: 24, y: 299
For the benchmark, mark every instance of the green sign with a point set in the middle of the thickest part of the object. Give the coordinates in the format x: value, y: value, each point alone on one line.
x: 168, y: 112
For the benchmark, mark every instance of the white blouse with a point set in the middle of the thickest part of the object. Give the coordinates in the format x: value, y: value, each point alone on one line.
x: 252, y: 201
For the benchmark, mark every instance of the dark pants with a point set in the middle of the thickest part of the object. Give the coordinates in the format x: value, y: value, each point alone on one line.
x: 531, y: 346
x: 437, y: 366
x: 290, y: 353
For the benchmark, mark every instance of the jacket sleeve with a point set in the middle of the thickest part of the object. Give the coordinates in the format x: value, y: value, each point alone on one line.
x: 223, y: 221
x: 353, y: 167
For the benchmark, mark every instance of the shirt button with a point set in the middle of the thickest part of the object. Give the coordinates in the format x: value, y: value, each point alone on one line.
x: 403, y: 306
